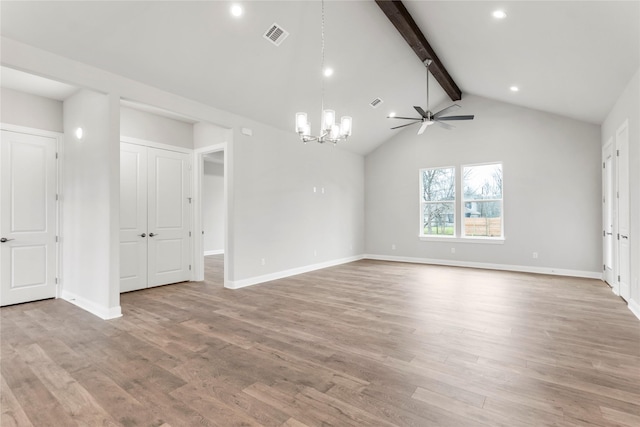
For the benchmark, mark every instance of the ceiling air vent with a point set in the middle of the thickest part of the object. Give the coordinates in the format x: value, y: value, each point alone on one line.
x: 276, y: 34
x: 375, y: 102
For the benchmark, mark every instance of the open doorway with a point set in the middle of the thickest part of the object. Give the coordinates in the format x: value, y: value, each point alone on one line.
x: 213, y: 211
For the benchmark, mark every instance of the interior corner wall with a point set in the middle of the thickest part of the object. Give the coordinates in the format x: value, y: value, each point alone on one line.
x: 279, y: 218
x: 152, y: 127
x: 90, y: 170
x: 627, y: 107
x: 272, y: 211
x: 213, y: 207
x: 25, y: 109
x: 552, y: 188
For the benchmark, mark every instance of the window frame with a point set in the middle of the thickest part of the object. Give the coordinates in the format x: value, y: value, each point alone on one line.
x: 422, y: 204
x: 459, y: 203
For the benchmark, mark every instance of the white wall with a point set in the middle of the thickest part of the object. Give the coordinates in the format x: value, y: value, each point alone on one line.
x: 627, y: 107
x: 24, y: 109
x: 272, y: 212
x: 207, y: 134
x: 213, y: 207
x: 90, y: 206
x: 279, y: 218
x: 152, y: 127
x: 551, y: 189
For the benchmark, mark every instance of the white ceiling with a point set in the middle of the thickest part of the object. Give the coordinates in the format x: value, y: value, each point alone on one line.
x: 572, y: 58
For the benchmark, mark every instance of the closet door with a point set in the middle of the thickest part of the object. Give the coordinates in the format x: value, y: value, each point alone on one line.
x: 168, y: 216
x: 133, y: 217
x: 28, y: 217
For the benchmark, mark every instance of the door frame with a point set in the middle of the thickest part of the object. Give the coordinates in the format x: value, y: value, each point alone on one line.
x: 59, y: 138
x: 198, y: 247
x: 607, y: 150
x: 618, y: 257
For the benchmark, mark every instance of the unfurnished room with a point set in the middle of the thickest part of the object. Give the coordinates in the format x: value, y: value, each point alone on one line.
x: 320, y: 213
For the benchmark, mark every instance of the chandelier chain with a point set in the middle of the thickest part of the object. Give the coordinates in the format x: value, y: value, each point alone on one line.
x: 322, y: 61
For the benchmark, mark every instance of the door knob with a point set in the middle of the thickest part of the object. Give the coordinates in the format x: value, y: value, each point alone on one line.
x: 4, y: 240
x: 624, y: 237
x: 143, y: 235
x: 151, y: 234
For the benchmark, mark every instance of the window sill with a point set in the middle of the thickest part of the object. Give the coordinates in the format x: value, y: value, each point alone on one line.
x: 480, y: 240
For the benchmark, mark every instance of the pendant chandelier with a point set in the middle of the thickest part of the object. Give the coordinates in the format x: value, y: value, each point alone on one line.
x: 330, y: 131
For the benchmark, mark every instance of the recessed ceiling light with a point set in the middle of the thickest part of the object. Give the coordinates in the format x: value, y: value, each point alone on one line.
x: 328, y: 72
x: 499, y: 14
x: 514, y: 88
x: 236, y: 10
x: 392, y: 114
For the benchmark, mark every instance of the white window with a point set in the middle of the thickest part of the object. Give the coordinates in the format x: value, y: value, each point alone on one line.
x: 482, y: 201
x: 438, y: 202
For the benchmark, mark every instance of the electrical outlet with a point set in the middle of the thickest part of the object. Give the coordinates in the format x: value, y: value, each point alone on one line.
x: 393, y: 247
x: 535, y: 255
x: 453, y: 250
x: 263, y: 261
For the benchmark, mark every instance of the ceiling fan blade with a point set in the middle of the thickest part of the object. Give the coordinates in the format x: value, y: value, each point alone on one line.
x: 401, y: 126
x: 446, y: 110
x: 469, y: 117
x: 445, y: 125
x: 404, y: 118
x: 420, y: 111
x: 423, y: 127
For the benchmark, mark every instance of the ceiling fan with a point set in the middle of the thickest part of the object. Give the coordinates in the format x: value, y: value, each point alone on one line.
x: 427, y: 118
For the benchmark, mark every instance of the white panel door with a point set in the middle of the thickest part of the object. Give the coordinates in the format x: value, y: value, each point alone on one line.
x: 27, y: 217
x: 133, y: 217
x: 168, y: 216
x: 624, y: 255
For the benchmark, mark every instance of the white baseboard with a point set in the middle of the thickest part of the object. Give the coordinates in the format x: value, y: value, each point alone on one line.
x: 489, y: 266
x: 215, y: 252
x: 237, y: 284
x: 634, y: 307
x: 90, y: 306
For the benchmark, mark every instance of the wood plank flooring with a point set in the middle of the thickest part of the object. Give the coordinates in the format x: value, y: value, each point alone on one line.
x: 363, y: 344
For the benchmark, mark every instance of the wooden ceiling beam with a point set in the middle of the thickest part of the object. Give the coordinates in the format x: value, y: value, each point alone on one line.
x: 407, y: 27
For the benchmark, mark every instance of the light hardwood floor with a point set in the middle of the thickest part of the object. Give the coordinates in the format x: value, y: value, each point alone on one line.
x: 364, y: 344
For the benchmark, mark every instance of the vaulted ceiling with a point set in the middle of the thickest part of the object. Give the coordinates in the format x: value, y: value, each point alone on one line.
x: 571, y: 58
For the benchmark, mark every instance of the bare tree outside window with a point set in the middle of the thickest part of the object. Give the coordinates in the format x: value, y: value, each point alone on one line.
x: 438, y: 201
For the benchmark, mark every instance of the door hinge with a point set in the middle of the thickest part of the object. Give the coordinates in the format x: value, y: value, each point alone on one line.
x: 56, y: 155
x: 56, y: 280
x: 603, y: 165
x: 603, y: 233
x: 57, y: 198
x: 604, y: 267
x: 618, y: 153
x: 189, y: 198
x: 189, y: 234
x: 618, y: 236
x: 56, y: 239
x: 618, y: 278
x: 189, y: 267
